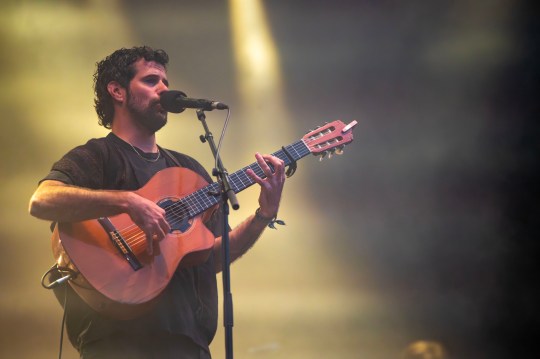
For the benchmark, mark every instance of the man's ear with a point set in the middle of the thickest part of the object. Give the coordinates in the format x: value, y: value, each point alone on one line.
x: 117, y: 92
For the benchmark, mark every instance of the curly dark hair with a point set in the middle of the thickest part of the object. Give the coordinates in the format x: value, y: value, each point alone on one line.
x: 118, y: 66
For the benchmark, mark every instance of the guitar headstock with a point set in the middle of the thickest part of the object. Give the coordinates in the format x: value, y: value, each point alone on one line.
x: 330, y: 138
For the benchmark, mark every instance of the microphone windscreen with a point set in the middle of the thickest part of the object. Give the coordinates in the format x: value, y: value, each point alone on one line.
x: 170, y: 101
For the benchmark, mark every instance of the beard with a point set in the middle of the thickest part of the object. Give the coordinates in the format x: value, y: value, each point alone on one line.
x: 151, y: 117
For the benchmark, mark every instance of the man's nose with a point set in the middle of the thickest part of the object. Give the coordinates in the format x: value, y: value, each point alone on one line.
x: 162, y: 87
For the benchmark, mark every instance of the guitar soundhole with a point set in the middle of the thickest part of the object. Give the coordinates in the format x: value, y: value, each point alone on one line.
x: 177, y: 214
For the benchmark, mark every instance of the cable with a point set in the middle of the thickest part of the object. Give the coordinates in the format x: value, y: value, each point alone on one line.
x: 60, y: 346
x: 221, y: 137
x: 63, y: 274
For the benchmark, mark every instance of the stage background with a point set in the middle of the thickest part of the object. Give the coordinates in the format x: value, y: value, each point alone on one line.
x: 425, y: 229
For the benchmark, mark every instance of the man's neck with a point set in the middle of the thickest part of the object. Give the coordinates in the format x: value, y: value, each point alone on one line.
x: 135, y: 135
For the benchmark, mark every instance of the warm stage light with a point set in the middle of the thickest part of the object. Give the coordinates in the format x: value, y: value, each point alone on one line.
x: 255, y: 50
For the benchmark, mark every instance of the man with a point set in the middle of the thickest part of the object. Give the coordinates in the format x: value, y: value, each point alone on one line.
x: 98, y: 179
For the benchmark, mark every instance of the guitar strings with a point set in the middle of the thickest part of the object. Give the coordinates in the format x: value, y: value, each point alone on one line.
x: 135, y: 239
x: 177, y: 211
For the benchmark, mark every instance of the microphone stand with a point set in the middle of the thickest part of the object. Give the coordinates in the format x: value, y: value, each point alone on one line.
x: 227, y: 194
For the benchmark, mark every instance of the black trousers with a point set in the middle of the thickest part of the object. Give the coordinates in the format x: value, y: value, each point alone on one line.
x: 151, y: 347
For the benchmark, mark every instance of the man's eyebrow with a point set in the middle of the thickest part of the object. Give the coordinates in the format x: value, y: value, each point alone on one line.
x: 156, y: 76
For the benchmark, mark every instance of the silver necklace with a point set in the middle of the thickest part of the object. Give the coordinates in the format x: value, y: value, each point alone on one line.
x: 144, y: 158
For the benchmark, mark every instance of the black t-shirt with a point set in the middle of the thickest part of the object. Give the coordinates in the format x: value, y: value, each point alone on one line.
x: 188, y: 305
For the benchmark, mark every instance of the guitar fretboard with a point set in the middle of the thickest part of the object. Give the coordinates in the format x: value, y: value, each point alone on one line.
x: 206, y: 197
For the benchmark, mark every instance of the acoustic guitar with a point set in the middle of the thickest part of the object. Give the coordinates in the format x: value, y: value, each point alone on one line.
x: 116, y: 276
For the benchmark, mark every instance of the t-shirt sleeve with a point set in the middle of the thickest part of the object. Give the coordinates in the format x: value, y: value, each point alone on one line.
x: 57, y: 176
x: 82, y: 166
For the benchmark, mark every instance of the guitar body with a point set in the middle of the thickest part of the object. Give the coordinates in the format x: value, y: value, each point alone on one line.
x: 107, y: 282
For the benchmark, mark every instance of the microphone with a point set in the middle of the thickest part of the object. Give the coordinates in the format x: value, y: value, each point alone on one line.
x: 177, y: 101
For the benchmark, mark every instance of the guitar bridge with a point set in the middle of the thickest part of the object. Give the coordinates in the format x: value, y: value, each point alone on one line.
x: 121, y: 245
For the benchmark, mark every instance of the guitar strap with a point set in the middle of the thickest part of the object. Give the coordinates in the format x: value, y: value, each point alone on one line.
x: 170, y: 156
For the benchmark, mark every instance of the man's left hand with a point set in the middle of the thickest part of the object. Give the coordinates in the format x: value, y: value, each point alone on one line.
x: 271, y: 186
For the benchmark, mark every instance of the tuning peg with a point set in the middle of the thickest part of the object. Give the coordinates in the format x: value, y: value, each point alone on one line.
x: 339, y: 150
x: 331, y: 153
x: 323, y: 155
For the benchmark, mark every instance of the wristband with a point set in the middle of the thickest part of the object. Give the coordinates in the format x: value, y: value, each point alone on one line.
x: 271, y: 221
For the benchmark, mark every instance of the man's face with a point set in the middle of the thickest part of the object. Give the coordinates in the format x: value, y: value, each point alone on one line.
x: 143, y: 95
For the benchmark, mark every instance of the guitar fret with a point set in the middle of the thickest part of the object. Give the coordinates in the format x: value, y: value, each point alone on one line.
x: 296, y: 151
x: 242, y: 181
x: 235, y: 185
x: 202, y: 199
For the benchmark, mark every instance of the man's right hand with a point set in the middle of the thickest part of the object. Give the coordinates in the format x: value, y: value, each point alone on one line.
x: 149, y: 217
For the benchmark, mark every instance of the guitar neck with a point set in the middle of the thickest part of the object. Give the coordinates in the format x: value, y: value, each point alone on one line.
x: 206, y: 197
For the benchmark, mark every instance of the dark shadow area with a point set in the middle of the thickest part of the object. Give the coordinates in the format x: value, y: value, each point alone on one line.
x: 514, y: 315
